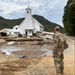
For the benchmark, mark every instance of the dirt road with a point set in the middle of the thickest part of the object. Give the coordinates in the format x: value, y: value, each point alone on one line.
x: 11, y: 65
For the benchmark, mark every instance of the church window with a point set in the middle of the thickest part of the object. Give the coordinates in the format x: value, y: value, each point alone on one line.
x: 27, y: 11
x: 16, y: 28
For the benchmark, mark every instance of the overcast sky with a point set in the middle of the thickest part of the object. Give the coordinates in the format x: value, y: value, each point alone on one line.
x: 51, y: 9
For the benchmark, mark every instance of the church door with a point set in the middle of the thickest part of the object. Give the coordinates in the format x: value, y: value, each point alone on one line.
x: 26, y: 32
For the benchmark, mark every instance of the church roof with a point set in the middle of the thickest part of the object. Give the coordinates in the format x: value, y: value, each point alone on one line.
x: 37, y: 22
x: 28, y: 8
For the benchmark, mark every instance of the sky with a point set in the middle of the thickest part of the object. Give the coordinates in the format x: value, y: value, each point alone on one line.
x: 50, y: 9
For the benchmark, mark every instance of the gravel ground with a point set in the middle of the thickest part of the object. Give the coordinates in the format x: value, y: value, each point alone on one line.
x: 11, y: 65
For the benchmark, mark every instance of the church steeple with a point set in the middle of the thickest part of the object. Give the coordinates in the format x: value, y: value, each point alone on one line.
x: 28, y: 9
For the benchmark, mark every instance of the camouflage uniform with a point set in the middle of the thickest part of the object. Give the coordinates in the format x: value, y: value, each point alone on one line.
x: 58, y: 48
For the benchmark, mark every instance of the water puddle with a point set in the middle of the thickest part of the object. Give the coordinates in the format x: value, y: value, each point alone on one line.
x: 11, y: 48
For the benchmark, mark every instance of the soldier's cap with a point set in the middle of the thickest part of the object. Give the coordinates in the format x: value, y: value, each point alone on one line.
x: 57, y: 27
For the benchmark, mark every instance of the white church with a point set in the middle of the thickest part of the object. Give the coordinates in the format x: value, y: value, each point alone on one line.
x: 29, y: 25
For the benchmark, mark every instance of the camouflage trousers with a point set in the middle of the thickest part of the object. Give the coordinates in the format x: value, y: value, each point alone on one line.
x: 59, y: 64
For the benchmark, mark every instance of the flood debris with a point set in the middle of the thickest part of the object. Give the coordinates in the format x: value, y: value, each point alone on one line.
x: 10, y: 43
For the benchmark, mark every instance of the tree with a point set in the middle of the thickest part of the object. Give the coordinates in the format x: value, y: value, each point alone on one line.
x: 69, y: 18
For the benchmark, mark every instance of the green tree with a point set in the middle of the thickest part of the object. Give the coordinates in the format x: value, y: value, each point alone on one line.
x: 69, y: 18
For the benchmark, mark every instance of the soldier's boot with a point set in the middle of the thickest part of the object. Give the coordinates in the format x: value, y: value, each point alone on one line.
x: 62, y: 72
x: 58, y: 73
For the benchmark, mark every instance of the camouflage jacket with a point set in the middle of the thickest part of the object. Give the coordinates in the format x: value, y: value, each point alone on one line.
x: 58, y: 43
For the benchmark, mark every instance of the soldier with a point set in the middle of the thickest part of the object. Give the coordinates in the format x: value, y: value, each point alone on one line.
x: 58, y: 48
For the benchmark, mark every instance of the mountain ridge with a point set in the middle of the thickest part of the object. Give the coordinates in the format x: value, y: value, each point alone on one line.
x: 9, y: 23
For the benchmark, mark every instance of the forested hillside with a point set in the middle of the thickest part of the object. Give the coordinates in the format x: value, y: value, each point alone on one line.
x: 49, y: 26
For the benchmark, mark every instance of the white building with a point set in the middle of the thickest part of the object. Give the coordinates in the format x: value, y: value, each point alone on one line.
x: 11, y: 32
x: 30, y: 25
x: 7, y: 31
x: 16, y: 30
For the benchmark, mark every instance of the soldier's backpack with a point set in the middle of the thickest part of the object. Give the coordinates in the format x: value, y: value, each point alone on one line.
x: 65, y: 45
x: 62, y: 41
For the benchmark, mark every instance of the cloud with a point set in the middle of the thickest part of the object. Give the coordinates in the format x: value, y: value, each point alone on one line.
x: 50, y: 9
x: 8, y: 8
